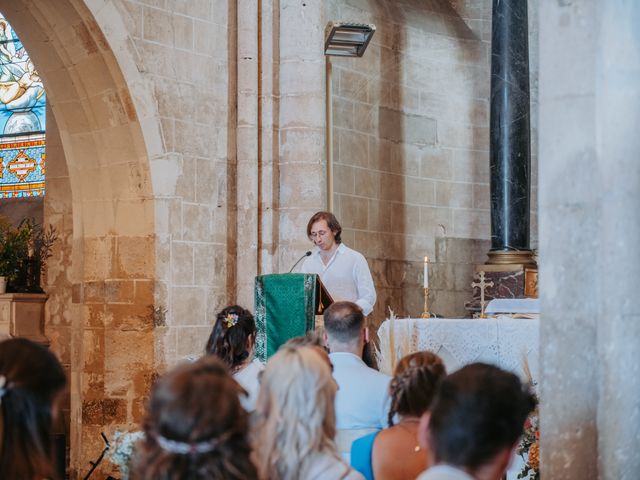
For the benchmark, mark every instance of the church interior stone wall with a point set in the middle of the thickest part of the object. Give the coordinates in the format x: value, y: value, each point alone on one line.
x: 411, y: 147
x: 186, y: 151
x: 101, y: 281
x: 15, y: 209
x: 181, y: 50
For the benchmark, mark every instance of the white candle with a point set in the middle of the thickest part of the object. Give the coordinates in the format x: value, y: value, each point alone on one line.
x: 426, y: 272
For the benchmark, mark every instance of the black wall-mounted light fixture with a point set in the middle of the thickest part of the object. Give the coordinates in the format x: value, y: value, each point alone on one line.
x: 347, y: 39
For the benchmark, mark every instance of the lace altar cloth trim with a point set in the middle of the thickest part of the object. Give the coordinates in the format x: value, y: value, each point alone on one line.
x: 503, y: 341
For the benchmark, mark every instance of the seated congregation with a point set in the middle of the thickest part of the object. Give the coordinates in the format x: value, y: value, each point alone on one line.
x: 316, y: 410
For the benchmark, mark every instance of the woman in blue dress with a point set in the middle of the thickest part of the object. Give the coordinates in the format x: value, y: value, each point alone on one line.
x: 394, y: 453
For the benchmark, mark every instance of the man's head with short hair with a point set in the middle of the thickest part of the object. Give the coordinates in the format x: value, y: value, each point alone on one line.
x: 344, y: 326
x: 476, y: 418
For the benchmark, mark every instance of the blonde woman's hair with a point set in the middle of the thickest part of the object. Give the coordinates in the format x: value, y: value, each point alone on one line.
x: 295, y: 411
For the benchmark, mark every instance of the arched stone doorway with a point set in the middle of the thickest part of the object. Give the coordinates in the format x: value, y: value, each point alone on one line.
x: 99, y: 196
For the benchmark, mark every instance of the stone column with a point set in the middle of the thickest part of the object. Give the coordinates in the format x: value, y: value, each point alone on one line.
x: 509, y: 131
x: 301, y: 119
x: 618, y: 347
x: 589, y: 232
x: 510, y: 267
x: 248, y: 152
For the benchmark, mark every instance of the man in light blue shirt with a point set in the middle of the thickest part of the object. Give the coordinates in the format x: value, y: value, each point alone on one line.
x: 362, y: 402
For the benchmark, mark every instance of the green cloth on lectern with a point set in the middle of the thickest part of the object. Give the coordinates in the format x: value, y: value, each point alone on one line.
x: 285, y: 308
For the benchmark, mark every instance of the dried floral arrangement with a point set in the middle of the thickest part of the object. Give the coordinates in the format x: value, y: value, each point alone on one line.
x: 389, y: 350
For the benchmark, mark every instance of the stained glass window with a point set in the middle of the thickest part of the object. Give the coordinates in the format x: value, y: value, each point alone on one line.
x: 22, y: 119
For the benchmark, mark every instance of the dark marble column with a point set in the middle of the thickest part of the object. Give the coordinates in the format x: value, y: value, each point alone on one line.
x: 510, y: 141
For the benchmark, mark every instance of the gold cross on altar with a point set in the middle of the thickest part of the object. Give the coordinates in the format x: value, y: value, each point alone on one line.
x: 482, y: 285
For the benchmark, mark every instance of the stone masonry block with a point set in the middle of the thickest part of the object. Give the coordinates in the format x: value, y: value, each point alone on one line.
x: 188, y: 306
x: 192, y: 340
x: 130, y: 317
x: 131, y: 353
x: 353, y: 85
x: 365, y: 118
x: 398, y: 126
x: 298, y: 144
x: 93, y: 342
x: 357, y: 214
x: 97, y: 257
x: 104, y: 412
x: 119, y: 291
x: 450, y: 194
x: 345, y: 180
x: 182, y: 263
x: 368, y: 181
x: 300, y: 188
x: 197, y: 222
x: 133, y: 257
x: 354, y: 148
x: 216, y: 300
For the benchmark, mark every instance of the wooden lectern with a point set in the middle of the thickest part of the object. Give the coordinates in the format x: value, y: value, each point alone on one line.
x: 286, y: 306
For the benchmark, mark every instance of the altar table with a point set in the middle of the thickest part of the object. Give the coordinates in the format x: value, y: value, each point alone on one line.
x: 502, y: 341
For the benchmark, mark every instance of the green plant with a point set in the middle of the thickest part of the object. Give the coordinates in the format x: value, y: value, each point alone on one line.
x: 24, y: 251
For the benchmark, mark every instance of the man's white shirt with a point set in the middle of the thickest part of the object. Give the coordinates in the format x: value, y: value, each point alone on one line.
x: 362, y: 400
x: 346, y: 276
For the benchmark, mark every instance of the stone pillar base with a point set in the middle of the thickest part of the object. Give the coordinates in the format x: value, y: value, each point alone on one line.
x: 22, y: 315
x: 511, y: 257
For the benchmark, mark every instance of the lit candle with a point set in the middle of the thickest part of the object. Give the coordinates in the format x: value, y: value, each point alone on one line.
x: 426, y: 272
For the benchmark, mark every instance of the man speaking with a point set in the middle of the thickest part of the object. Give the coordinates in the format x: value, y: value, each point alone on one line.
x: 343, y: 271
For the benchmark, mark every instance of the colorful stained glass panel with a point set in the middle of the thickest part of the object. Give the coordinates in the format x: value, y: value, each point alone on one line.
x: 22, y: 119
x: 22, y: 95
x: 23, y: 168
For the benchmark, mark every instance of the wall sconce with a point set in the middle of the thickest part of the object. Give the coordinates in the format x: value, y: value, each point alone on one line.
x: 347, y: 39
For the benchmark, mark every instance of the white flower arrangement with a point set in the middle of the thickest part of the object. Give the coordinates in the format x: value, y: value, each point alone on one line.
x: 121, y: 450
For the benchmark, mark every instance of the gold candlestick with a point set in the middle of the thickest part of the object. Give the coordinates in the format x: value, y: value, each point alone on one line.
x: 425, y: 313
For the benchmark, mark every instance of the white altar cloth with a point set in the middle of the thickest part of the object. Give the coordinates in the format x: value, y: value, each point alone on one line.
x: 502, y: 341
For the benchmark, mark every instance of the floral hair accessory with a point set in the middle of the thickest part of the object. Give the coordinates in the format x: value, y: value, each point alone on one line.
x: 3, y: 386
x: 231, y: 319
x: 183, y: 448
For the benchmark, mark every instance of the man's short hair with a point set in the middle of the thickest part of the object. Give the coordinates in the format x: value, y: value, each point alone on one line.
x: 343, y: 321
x: 332, y: 222
x: 477, y: 412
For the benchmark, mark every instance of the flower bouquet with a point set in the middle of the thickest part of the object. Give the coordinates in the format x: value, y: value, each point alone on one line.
x: 121, y: 450
x: 529, y: 448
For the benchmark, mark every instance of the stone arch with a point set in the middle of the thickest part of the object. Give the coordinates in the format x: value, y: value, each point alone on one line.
x: 108, y: 132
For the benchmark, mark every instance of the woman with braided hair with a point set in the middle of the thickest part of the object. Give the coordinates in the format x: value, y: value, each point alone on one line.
x: 232, y: 340
x: 394, y: 453
x: 195, y: 427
